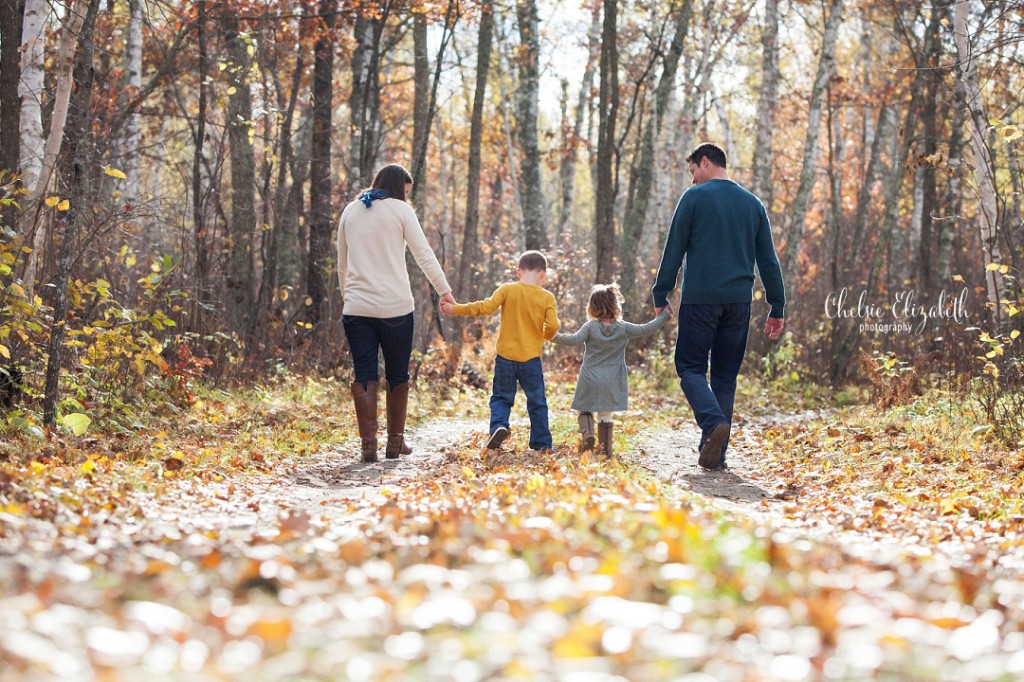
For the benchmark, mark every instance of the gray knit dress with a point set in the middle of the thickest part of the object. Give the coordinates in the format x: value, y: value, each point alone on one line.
x: 603, y: 384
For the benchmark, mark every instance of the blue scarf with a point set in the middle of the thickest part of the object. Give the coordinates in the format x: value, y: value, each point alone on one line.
x: 370, y: 195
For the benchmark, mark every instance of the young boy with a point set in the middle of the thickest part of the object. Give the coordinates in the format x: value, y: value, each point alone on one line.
x: 528, y: 316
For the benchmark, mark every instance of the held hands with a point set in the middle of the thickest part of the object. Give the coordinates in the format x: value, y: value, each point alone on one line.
x: 773, y: 327
x: 671, y: 312
x: 447, y: 304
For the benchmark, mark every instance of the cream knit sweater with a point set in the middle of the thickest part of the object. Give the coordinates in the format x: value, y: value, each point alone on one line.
x: 371, y: 258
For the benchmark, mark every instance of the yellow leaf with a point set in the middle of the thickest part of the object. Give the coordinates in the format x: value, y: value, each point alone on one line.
x: 1010, y: 132
x: 1015, y: 333
x: 232, y: 90
x: 467, y: 472
x: 64, y: 205
x: 114, y: 173
x: 992, y: 266
x: 52, y: 201
x: 5, y: 352
x: 958, y: 278
x: 87, y: 466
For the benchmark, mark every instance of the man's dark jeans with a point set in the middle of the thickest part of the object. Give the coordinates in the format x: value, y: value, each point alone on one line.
x: 530, y: 375
x: 717, y: 331
x: 370, y: 336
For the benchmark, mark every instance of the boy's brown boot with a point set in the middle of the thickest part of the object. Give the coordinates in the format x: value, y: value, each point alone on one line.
x: 586, y: 422
x: 365, y: 400
x: 604, y: 438
x: 397, y: 405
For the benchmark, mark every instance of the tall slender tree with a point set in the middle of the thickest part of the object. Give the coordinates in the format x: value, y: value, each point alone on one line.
x: 808, y: 173
x: 470, y: 237
x: 321, y: 227
x: 608, y: 109
x: 534, y: 208
x: 642, y: 180
x: 240, y: 297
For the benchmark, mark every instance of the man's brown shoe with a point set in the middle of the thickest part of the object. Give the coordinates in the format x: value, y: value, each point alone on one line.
x: 711, y: 452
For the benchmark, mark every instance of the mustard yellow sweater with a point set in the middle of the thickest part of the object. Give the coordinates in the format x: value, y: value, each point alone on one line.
x: 528, y: 316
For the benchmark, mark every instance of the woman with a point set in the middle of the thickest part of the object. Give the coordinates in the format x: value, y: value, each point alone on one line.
x: 378, y: 306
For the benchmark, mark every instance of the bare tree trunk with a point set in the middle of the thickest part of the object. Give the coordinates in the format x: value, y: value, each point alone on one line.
x: 534, y: 208
x: 952, y: 198
x: 282, y: 215
x: 643, y: 177
x: 11, y: 17
x: 132, y: 135
x: 984, y: 177
x: 761, y: 175
x: 421, y: 85
x: 62, y: 98
x: 925, y: 219
x: 239, y: 279
x: 467, y: 267
x: 568, y: 170
x: 318, y: 273
x: 70, y: 248
x: 798, y: 211
x: 604, y: 220
x: 451, y: 18
x: 198, y: 195
x: 364, y: 98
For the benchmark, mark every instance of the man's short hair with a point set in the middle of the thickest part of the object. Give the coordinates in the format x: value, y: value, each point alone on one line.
x: 712, y: 152
x: 534, y: 261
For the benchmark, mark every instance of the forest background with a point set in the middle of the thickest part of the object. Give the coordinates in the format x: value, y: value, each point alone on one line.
x: 173, y: 174
x: 180, y: 494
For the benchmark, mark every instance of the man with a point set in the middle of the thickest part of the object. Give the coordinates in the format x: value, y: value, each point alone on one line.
x: 722, y: 230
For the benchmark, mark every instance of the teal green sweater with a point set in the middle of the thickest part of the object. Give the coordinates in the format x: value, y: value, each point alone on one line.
x: 722, y: 230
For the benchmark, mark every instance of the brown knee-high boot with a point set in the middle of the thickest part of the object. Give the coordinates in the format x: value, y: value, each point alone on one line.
x: 604, y: 438
x: 586, y: 422
x: 365, y: 400
x: 397, y: 405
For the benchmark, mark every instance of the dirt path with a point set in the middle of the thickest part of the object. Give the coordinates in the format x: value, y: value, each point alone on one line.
x: 750, y: 490
x: 308, y: 490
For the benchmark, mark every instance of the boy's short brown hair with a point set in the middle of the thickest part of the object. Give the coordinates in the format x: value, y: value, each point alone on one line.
x: 605, y: 302
x: 534, y: 261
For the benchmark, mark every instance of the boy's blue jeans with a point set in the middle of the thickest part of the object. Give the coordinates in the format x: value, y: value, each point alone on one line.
x: 715, y: 331
x: 530, y: 375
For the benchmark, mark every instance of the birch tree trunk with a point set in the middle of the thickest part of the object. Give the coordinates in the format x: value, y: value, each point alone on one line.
x: 51, y: 149
x: 30, y: 94
x: 535, y: 226
x: 608, y: 108
x: 133, y: 69
x: 761, y: 174
x: 639, y: 195
x: 318, y: 273
x: 984, y: 178
x: 798, y: 211
x: 470, y: 238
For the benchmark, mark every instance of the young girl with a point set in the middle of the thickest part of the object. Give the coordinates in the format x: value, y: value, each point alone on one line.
x: 602, y: 387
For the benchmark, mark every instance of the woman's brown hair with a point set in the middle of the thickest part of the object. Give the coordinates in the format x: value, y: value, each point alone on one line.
x: 605, y: 302
x: 393, y: 178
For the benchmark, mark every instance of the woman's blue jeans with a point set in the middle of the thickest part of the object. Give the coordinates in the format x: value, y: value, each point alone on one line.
x: 370, y: 337
x: 715, y: 334
x: 508, y: 375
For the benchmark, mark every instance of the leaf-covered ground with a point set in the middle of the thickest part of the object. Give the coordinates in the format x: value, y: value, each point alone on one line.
x: 243, y: 541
